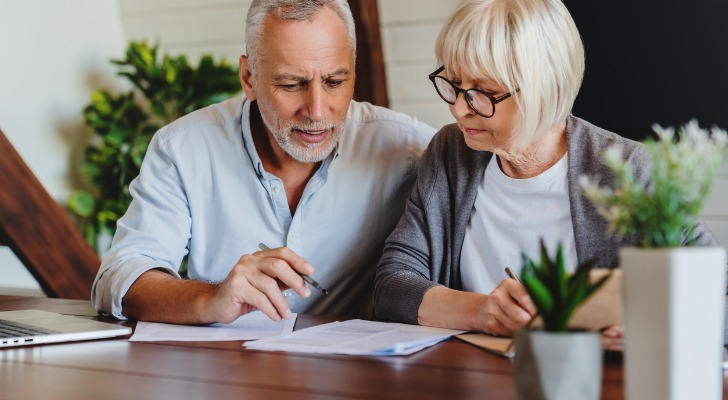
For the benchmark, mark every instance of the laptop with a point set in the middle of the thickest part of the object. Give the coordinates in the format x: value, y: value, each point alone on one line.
x: 29, y: 327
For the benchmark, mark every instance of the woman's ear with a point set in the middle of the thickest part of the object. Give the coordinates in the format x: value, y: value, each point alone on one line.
x: 246, y: 77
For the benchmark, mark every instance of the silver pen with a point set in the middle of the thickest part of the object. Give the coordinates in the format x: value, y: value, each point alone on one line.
x: 306, y: 278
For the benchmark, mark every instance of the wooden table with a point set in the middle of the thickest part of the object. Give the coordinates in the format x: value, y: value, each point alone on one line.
x: 117, y: 368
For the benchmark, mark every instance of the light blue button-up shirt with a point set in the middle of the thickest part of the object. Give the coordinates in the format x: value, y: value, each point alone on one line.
x: 203, y: 190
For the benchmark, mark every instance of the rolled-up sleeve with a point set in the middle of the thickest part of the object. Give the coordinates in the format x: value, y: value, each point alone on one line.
x: 153, y: 234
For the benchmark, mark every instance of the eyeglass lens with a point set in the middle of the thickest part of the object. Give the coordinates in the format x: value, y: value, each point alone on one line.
x: 478, y: 101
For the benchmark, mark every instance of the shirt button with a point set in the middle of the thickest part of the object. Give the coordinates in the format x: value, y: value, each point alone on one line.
x: 276, y: 189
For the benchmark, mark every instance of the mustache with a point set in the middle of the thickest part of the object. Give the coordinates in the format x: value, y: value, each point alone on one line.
x: 316, y: 126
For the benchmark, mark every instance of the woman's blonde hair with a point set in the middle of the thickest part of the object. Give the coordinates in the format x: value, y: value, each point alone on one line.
x: 531, y: 45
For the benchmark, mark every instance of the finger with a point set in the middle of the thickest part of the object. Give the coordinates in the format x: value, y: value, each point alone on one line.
x: 496, y: 320
x: 520, y: 296
x: 514, y: 315
x: 265, y: 294
x: 611, y: 333
x: 612, y: 344
x: 496, y: 328
x: 509, y: 323
x: 617, y: 331
x: 294, y: 260
x: 287, y: 277
x: 282, y: 286
x: 252, y: 299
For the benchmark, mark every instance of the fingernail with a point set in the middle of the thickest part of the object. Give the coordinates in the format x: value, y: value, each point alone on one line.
x: 287, y: 314
x: 306, y: 291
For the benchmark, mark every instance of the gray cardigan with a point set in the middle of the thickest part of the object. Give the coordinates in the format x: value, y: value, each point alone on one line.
x: 424, y: 249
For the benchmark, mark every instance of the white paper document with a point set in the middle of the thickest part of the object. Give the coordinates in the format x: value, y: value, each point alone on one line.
x: 356, y: 337
x: 251, y: 326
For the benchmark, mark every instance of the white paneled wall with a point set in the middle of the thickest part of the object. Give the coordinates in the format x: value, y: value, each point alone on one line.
x: 409, y: 30
x: 715, y: 211
x: 192, y: 27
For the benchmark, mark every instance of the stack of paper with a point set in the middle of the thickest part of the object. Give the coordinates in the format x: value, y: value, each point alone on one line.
x: 251, y: 326
x: 356, y: 337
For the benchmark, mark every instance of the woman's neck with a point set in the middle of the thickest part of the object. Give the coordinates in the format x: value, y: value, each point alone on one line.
x: 536, y: 157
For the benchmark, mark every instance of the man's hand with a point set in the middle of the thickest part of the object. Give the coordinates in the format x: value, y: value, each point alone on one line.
x: 506, y: 309
x: 257, y: 281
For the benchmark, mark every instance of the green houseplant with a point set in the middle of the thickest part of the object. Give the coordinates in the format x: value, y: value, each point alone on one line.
x: 674, y: 297
x: 555, y: 362
x: 556, y: 293
x: 663, y: 213
x: 163, y: 89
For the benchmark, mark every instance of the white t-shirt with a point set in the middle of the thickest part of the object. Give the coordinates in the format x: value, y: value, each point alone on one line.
x: 509, y: 217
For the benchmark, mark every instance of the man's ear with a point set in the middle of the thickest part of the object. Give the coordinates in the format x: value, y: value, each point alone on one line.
x: 246, y: 77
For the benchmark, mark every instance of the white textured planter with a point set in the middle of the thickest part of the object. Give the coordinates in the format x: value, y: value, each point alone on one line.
x: 558, y: 366
x: 674, y: 303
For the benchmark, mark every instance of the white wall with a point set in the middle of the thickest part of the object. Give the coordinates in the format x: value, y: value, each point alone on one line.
x: 192, y: 27
x: 409, y: 30
x: 53, y: 55
x: 715, y: 211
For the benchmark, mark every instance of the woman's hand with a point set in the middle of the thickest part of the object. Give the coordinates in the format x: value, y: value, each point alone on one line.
x: 613, y: 338
x: 506, y: 309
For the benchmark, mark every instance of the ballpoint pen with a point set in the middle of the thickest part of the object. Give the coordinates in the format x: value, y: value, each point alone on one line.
x: 513, y: 275
x: 306, y: 278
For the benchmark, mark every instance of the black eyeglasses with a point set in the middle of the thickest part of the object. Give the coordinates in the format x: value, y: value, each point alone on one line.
x: 482, y: 103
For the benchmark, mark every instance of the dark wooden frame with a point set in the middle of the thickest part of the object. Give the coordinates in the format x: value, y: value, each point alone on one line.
x: 371, y: 80
x: 40, y: 233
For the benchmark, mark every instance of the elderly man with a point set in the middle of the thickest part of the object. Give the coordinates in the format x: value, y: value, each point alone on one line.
x: 296, y: 165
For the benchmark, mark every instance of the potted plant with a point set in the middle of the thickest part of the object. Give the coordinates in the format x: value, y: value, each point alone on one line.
x: 674, y: 293
x: 164, y: 89
x: 555, y: 362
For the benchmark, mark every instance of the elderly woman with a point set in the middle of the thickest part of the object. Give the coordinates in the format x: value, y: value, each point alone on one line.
x: 504, y: 175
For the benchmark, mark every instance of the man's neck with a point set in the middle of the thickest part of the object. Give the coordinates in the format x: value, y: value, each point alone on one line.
x: 294, y: 174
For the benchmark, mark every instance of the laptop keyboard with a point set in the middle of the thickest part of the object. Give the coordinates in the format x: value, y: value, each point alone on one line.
x: 12, y: 329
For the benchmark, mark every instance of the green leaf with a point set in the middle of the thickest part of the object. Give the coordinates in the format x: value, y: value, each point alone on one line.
x: 539, y: 293
x: 100, y: 100
x: 82, y: 203
x: 555, y: 293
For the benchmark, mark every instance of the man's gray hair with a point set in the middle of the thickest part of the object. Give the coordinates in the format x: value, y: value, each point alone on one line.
x: 296, y: 10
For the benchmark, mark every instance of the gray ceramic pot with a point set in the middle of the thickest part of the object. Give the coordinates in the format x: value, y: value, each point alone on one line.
x: 558, y: 366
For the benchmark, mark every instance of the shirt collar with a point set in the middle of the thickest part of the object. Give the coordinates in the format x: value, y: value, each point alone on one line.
x: 248, y: 139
